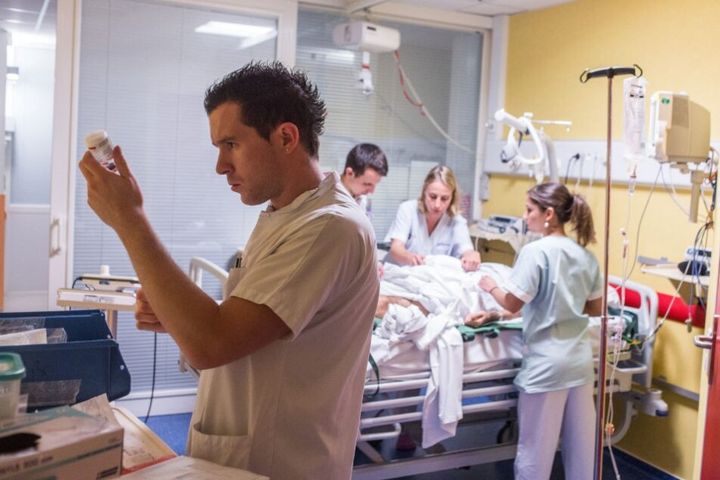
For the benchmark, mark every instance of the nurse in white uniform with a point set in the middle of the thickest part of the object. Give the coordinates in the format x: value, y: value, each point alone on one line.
x: 275, y: 397
x: 557, y: 284
x: 432, y: 225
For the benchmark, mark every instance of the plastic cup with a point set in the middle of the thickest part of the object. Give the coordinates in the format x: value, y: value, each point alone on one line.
x: 12, y: 371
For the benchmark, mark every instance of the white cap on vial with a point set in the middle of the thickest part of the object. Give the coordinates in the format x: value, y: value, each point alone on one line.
x: 93, y: 139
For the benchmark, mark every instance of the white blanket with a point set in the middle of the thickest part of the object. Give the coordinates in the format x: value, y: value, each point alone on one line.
x: 449, y: 294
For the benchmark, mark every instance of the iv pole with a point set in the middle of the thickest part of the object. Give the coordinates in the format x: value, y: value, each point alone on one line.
x: 609, y: 73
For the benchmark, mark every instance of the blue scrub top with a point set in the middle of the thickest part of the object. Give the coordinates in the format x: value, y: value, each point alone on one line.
x: 450, y: 237
x: 555, y: 277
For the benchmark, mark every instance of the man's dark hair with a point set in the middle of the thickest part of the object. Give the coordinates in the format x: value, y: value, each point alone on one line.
x: 270, y: 94
x: 364, y: 156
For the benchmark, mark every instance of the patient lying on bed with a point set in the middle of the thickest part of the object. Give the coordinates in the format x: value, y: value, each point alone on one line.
x: 440, y: 286
x: 420, y: 307
x: 472, y: 319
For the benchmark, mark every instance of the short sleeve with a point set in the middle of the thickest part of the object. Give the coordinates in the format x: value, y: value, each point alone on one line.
x: 402, y: 225
x: 526, y: 274
x: 598, y: 284
x: 314, y: 263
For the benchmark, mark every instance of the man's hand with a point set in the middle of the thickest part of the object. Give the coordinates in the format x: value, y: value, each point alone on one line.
x: 113, y: 195
x: 145, y: 316
x: 470, y: 260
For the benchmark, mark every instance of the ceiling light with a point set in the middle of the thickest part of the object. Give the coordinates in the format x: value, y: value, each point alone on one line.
x: 240, y: 30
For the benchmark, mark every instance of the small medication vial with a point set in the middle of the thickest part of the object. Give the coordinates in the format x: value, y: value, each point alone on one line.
x: 99, y: 145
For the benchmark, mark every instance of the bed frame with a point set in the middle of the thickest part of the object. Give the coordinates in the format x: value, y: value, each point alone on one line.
x: 489, y: 397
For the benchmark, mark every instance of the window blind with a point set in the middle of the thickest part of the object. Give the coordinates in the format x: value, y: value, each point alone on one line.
x: 444, y: 66
x: 143, y: 75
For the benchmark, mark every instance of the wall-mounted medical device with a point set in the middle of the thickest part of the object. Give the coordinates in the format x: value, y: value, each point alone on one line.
x: 366, y: 36
x: 700, y: 254
x: 680, y: 135
x: 512, y: 154
x: 506, y: 223
x: 697, y: 261
x: 679, y: 129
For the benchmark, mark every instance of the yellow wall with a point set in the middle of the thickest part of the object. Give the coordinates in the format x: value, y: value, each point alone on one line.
x: 675, y: 43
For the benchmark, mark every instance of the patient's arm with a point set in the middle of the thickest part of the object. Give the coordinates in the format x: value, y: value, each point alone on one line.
x: 480, y: 318
x: 384, y: 302
x: 594, y: 307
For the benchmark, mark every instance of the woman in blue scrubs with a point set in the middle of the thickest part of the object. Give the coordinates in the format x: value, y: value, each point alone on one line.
x: 432, y: 224
x: 556, y: 284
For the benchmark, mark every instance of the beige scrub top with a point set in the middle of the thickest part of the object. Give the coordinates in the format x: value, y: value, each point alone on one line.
x: 291, y: 409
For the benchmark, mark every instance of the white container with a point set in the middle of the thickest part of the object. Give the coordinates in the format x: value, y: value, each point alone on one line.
x: 12, y: 371
x: 100, y: 146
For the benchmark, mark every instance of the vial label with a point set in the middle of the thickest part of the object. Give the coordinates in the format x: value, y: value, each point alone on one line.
x: 99, y: 145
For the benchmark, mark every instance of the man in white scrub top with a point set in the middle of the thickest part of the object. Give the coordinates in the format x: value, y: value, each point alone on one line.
x: 283, y: 358
x: 365, y: 165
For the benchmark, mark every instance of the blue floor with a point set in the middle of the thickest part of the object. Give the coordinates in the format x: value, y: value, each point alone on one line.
x: 173, y: 430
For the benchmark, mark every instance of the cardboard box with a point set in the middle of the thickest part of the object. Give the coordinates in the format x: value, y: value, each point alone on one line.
x: 187, y: 467
x: 70, y: 445
x: 141, y: 446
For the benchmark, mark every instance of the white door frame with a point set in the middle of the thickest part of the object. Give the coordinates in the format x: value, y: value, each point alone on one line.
x: 62, y: 176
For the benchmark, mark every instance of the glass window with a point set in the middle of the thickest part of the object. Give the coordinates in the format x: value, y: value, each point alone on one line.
x: 144, y: 68
x: 444, y: 66
x: 29, y: 41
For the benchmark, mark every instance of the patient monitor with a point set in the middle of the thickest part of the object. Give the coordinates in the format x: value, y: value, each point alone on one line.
x: 679, y: 129
x: 680, y: 135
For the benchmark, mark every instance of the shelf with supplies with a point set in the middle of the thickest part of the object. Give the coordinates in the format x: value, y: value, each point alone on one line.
x: 672, y: 272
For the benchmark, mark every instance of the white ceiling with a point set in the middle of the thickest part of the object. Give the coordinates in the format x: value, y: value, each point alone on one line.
x: 476, y: 7
x: 24, y: 17
x: 39, y: 16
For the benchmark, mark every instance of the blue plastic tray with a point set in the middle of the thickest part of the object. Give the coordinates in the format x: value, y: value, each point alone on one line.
x: 90, y: 359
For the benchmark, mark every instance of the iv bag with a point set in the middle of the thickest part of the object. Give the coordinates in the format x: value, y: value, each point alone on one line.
x: 634, y: 110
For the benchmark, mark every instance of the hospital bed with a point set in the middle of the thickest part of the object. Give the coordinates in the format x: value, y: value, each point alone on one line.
x: 491, y: 360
